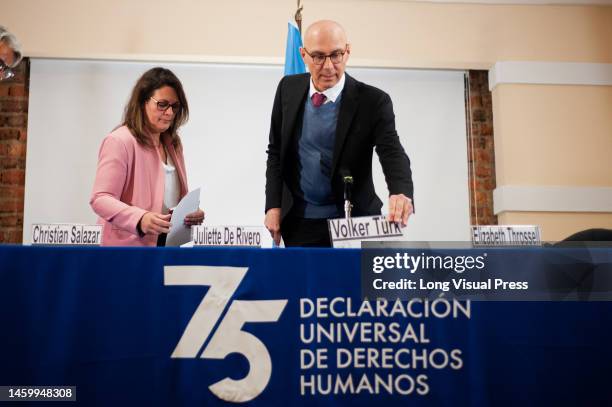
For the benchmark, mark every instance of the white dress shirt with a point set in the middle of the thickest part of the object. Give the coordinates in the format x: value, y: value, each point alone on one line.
x: 332, y: 93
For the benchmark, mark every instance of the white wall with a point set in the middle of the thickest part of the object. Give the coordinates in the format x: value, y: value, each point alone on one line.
x: 75, y: 103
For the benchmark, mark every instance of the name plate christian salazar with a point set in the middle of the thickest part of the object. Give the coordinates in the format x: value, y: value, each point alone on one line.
x: 66, y: 234
x: 244, y: 236
x: 349, y: 233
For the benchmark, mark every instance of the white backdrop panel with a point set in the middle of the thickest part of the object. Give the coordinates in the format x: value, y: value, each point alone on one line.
x: 74, y: 104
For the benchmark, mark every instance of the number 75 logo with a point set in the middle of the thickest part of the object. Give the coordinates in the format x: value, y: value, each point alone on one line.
x: 229, y: 336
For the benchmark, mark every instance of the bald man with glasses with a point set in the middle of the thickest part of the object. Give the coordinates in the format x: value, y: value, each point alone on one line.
x: 10, y: 54
x: 325, y: 126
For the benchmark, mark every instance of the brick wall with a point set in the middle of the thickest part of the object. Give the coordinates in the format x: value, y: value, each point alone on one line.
x: 481, y: 154
x: 13, y: 136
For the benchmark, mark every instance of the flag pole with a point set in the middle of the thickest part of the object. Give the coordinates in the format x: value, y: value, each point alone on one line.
x: 294, y: 64
x: 298, y: 15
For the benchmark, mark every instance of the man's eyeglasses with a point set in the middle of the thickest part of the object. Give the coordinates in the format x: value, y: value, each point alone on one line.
x: 163, y: 105
x: 335, y: 57
x: 5, y: 71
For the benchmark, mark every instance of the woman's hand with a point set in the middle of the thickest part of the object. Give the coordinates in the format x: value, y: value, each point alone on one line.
x: 155, y: 223
x: 194, y: 218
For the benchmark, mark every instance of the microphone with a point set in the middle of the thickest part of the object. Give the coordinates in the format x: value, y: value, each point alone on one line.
x: 348, y: 185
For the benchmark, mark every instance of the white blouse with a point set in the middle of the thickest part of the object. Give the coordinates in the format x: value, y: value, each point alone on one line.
x: 172, y: 187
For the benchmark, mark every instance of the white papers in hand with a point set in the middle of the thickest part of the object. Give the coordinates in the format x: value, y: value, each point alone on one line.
x: 179, y: 233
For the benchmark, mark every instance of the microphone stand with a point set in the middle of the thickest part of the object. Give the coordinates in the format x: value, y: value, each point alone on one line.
x: 348, y: 184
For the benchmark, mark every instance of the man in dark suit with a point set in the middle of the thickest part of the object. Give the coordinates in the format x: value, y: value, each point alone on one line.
x: 324, y: 126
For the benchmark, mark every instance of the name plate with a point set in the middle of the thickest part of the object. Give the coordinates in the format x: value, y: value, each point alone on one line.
x: 66, y: 234
x: 249, y: 236
x: 349, y: 233
x: 506, y: 235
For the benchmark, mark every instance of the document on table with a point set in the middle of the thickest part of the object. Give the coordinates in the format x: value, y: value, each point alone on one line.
x: 179, y: 233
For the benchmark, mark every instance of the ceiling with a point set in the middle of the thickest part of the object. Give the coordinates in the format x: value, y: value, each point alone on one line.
x: 534, y: 2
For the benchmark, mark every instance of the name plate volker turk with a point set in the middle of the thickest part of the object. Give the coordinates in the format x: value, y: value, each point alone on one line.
x: 349, y: 233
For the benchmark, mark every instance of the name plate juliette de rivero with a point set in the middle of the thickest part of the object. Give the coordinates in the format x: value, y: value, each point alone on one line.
x: 349, y: 233
x: 226, y: 235
x: 66, y: 234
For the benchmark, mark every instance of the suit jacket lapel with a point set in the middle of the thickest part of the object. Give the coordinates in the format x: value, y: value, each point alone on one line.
x: 293, y: 104
x: 348, y: 107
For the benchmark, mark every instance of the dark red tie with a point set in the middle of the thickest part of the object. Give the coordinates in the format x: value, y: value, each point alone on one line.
x: 318, y: 99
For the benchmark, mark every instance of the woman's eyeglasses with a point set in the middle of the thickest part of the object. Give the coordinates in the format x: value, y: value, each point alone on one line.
x: 163, y: 105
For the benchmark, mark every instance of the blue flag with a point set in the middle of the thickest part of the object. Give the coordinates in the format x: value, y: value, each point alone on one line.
x: 294, y: 63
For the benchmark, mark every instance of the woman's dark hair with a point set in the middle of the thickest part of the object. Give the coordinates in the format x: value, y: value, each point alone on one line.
x: 135, y: 117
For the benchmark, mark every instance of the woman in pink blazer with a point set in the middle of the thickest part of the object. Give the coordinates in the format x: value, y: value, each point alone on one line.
x: 141, y: 170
